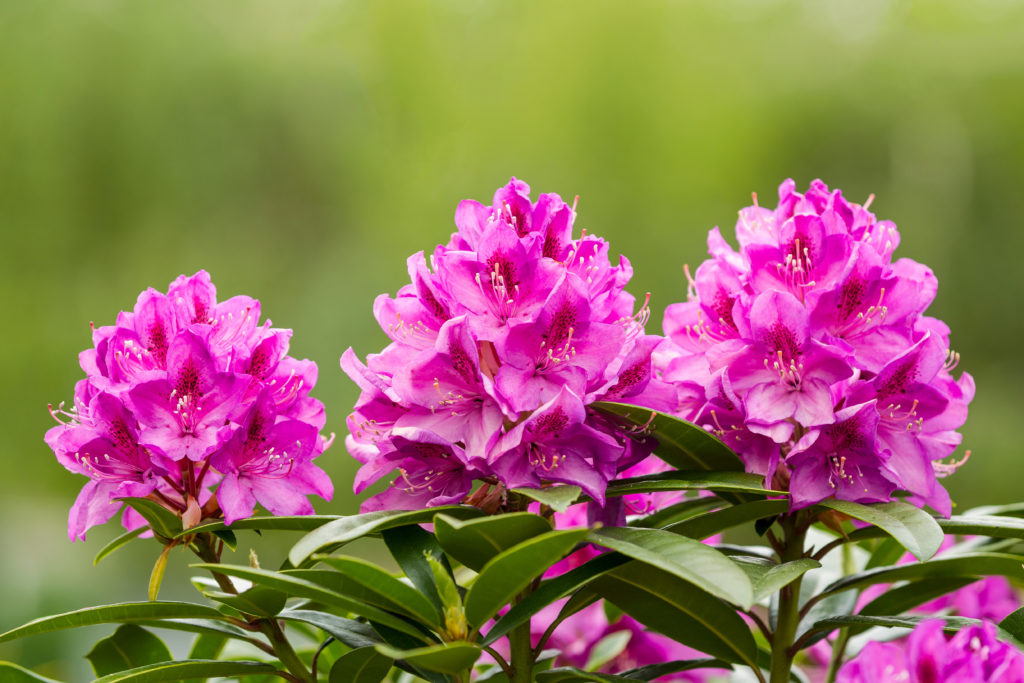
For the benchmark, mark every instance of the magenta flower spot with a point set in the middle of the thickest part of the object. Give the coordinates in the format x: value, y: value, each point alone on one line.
x: 184, y: 394
x: 973, y: 655
x: 497, y: 350
x: 807, y: 351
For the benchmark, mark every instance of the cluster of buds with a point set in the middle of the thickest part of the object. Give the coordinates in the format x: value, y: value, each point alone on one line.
x: 497, y: 350
x: 808, y: 352
x: 184, y: 394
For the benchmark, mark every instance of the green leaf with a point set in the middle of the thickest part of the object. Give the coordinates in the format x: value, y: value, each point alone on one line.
x: 184, y: 670
x: 361, y: 665
x: 157, y: 576
x: 266, y: 523
x: 915, y: 529
x: 128, y: 612
x: 259, y: 601
x: 341, y: 530
x: 690, y: 480
x: 476, y: 541
x: 965, y: 565
x: 983, y: 525
x: 352, y: 633
x: 716, y: 522
x: 902, y: 598
x: 678, y: 512
x: 669, y: 605
x: 554, y: 589
x: 681, y: 444
x: 510, y: 572
x: 122, y: 540
x: 1013, y: 624
x: 570, y: 674
x: 208, y: 626
x: 652, y: 671
x: 228, y: 536
x: 129, y: 647
x: 410, y: 545
x: 776, y: 576
x: 375, y: 580
x: 558, y: 498
x: 690, y: 560
x: 12, y: 673
x: 162, y: 521
x: 861, y: 622
x: 888, y: 551
x: 299, y: 587
x: 207, y: 646
x: 607, y: 649
x: 449, y: 658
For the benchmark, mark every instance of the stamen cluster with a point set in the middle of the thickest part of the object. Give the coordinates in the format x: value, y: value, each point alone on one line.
x: 808, y: 352
x: 497, y: 350
x: 183, y: 394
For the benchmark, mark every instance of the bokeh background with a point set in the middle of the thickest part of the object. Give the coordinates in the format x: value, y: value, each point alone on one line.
x: 300, y: 151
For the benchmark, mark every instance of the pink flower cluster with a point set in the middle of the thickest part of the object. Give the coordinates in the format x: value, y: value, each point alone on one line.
x: 185, y: 393
x: 808, y: 352
x: 972, y: 655
x: 497, y: 348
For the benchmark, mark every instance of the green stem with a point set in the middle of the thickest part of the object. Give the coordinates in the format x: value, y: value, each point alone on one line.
x: 521, y: 653
x: 789, y: 603
x: 204, y: 548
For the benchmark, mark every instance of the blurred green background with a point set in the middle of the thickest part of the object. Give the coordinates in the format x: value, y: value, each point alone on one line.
x: 300, y: 151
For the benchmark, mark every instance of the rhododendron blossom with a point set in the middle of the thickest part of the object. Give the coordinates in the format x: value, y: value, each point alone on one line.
x: 497, y: 349
x: 808, y: 353
x: 972, y: 655
x: 186, y: 392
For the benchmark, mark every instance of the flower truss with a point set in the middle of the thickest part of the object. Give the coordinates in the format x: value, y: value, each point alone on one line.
x: 808, y: 352
x: 497, y: 350
x: 185, y: 393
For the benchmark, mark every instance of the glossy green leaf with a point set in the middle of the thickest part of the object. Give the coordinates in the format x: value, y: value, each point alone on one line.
x: 1011, y: 510
x: 691, y: 480
x: 378, y: 581
x: 265, y: 523
x: 474, y: 542
x: 340, y: 531
x: 964, y: 565
x: 570, y: 674
x: 128, y: 612
x: 895, y: 601
x: 303, y: 588
x: 510, y: 572
x: 410, y: 545
x: 780, y: 575
x: 607, y: 649
x: 554, y: 589
x: 200, y: 626
x: 163, y: 522
x: 228, y: 536
x: 669, y: 605
x: 185, y: 670
x: 362, y: 665
x: 861, y: 622
x: 888, y: 551
x: 352, y: 633
x: 915, y: 529
x: 450, y: 658
x: 678, y: 512
x: 681, y: 444
x: 259, y: 601
x: 558, y: 498
x: 711, y: 523
x: 653, y: 671
x: 207, y: 646
x: 119, y: 542
x: 12, y: 673
x: 690, y: 560
x: 129, y: 647
x: 1013, y: 624
x: 156, y: 578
